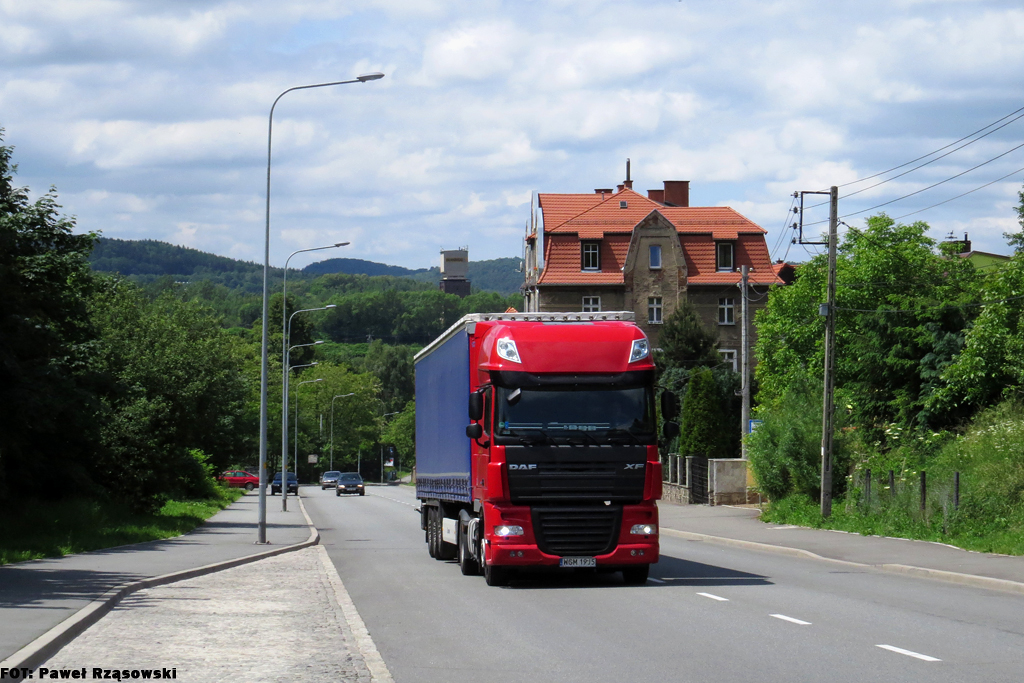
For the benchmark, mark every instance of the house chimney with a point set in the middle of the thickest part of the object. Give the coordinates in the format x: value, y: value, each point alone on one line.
x: 620, y: 187
x: 656, y: 195
x: 967, y: 243
x: 603, y: 190
x: 628, y: 182
x: 677, y: 193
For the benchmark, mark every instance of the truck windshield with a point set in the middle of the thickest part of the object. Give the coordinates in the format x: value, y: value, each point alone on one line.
x: 588, y: 414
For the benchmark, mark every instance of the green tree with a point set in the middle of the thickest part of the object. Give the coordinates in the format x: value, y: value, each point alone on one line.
x: 401, y: 433
x: 701, y: 420
x: 47, y: 344
x: 392, y: 366
x: 685, y: 342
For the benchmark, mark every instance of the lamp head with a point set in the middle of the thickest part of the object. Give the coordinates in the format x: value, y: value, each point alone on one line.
x: 318, y: 342
x: 342, y: 244
x: 330, y: 306
x: 370, y: 77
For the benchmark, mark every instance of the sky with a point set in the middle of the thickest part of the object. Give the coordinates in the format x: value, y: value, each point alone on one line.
x: 150, y: 117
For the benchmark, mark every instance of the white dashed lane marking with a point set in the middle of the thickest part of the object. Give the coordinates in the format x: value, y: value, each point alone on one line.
x: 714, y: 597
x: 654, y: 580
x: 915, y: 655
x: 791, y: 620
x: 393, y: 500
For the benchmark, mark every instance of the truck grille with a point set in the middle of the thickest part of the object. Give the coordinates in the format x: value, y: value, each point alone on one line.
x: 575, y: 475
x: 578, y: 530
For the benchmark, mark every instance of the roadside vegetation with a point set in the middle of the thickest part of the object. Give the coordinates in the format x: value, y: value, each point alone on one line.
x: 929, y: 378
x: 35, y: 529
x: 124, y: 399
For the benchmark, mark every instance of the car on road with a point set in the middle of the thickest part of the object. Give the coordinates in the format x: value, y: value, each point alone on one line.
x: 329, y: 479
x: 350, y: 482
x: 240, y: 479
x: 293, y: 484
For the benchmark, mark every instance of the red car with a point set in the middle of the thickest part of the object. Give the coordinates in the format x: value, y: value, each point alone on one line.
x: 240, y: 479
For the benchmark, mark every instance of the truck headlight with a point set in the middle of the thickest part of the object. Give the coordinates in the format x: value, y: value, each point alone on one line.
x: 641, y: 349
x: 506, y: 530
x: 644, y: 529
x: 507, y: 350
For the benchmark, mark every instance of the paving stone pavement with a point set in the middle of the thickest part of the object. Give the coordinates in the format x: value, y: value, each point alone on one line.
x: 285, y: 618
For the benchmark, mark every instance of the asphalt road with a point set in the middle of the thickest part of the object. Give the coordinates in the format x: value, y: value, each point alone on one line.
x: 707, y: 613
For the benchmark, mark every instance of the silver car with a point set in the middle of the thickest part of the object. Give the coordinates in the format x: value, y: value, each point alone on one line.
x: 329, y: 480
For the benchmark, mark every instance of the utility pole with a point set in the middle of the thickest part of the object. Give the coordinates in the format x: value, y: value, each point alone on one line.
x: 828, y: 407
x: 744, y: 361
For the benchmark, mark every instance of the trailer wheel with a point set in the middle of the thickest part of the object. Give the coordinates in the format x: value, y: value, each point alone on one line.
x: 432, y: 532
x: 496, y: 576
x: 637, y: 575
x: 467, y: 564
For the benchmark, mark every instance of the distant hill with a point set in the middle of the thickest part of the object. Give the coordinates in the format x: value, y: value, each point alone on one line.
x: 356, y: 266
x: 149, y: 260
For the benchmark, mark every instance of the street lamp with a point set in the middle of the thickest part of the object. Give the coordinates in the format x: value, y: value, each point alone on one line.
x: 264, y: 357
x: 285, y: 368
x: 308, y: 381
x: 332, y: 424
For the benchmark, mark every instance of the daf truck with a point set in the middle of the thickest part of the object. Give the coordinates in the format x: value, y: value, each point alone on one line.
x: 536, y: 444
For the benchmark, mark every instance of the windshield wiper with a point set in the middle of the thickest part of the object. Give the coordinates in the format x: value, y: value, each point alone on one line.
x: 531, y: 439
x: 628, y: 433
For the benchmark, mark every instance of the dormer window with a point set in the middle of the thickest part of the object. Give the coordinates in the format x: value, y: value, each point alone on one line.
x: 655, y: 256
x: 591, y: 255
x: 724, y: 256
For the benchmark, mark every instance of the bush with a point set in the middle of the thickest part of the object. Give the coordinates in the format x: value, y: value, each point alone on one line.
x: 785, y: 450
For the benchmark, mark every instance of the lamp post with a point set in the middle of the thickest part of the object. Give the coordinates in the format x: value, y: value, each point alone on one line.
x: 284, y: 464
x: 332, y: 424
x: 285, y: 368
x: 264, y: 357
x: 308, y: 381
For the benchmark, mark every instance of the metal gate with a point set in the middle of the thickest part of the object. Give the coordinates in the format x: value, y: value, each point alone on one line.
x: 698, y: 480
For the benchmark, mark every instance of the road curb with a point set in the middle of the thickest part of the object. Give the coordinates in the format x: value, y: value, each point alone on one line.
x: 974, y: 580
x: 47, y: 645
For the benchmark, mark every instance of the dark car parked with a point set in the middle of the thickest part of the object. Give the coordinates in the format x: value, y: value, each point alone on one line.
x: 293, y: 484
x: 350, y: 482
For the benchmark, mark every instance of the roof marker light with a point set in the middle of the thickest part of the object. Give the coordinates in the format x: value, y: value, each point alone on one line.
x: 641, y: 349
x: 507, y: 350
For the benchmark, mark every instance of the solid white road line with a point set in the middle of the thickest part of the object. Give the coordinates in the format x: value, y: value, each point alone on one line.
x: 791, y: 619
x: 714, y: 597
x: 654, y: 580
x: 915, y: 655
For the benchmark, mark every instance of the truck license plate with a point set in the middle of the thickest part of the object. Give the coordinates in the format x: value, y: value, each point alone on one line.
x: 577, y: 562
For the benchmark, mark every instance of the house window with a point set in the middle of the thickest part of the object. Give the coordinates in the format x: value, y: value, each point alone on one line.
x: 654, y: 310
x: 728, y: 356
x: 723, y: 256
x: 591, y: 304
x: 655, y: 257
x: 591, y: 256
x: 727, y: 311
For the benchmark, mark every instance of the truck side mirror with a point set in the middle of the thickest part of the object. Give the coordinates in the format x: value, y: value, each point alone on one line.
x: 669, y: 405
x: 476, y: 406
x: 474, y: 431
x: 670, y: 430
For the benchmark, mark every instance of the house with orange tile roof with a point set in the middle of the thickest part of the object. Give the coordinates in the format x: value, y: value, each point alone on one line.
x: 616, y: 250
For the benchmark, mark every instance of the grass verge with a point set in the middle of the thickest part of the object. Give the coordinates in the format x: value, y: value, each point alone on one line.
x: 1004, y: 535
x: 57, y: 528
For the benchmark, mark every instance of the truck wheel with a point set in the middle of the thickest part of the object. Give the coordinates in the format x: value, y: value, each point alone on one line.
x: 467, y: 564
x: 432, y: 532
x: 496, y: 576
x: 636, y: 576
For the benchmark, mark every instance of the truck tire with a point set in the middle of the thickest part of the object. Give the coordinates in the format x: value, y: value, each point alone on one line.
x: 445, y: 551
x: 467, y: 564
x: 432, y: 532
x: 637, y: 575
x: 496, y: 576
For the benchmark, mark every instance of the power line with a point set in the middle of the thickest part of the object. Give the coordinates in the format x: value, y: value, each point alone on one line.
x: 1019, y: 170
x: 785, y: 226
x: 923, y: 189
x: 896, y: 168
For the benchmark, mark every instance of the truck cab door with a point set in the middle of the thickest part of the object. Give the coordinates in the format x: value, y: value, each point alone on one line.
x: 481, y: 455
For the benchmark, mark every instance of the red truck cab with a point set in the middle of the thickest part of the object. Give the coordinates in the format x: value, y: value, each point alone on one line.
x: 563, y: 467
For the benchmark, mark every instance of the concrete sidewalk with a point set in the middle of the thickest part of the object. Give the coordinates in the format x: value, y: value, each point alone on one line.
x: 37, y: 595
x: 283, y: 618
x: 737, y: 526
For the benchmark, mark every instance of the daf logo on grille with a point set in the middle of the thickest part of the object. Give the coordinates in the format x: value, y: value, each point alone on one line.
x: 634, y: 466
x: 522, y: 467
